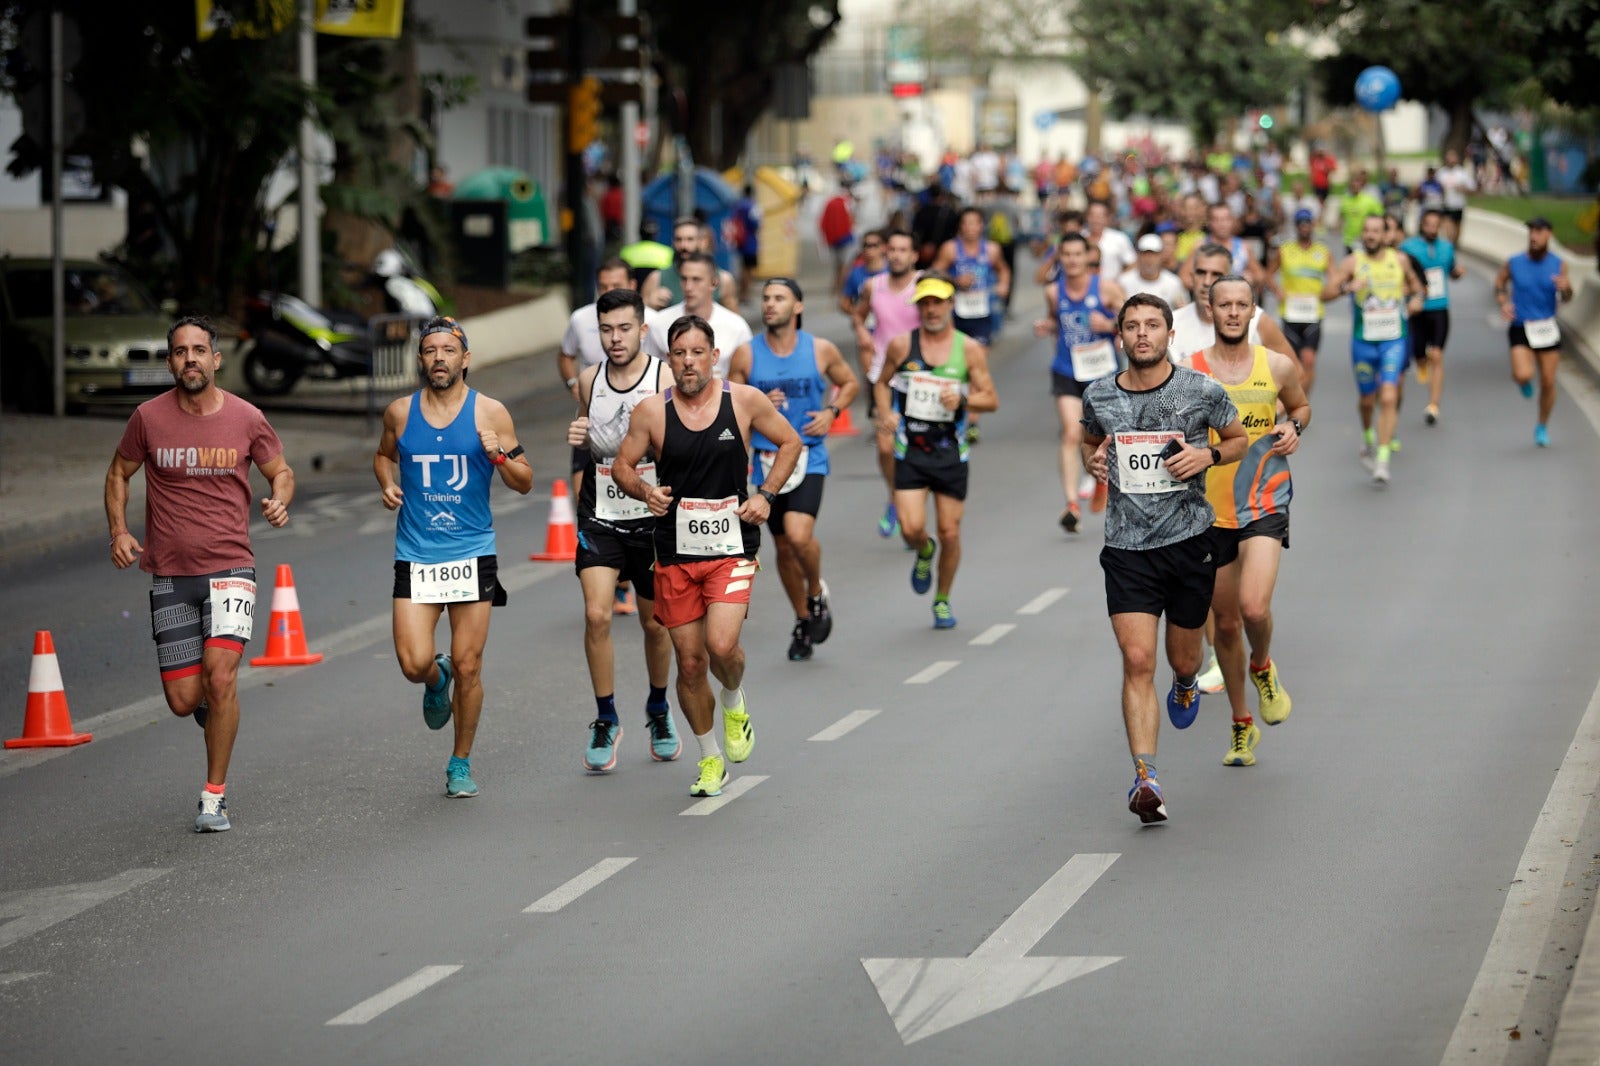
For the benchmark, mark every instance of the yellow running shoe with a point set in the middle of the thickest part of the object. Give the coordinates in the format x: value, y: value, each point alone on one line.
x: 1275, y: 702
x: 738, y: 737
x: 1241, y: 752
x: 713, y: 775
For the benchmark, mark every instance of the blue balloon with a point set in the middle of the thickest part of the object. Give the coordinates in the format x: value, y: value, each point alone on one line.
x: 1377, y: 89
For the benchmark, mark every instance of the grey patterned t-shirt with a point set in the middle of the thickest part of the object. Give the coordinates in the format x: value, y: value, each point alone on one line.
x: 1147, y: 507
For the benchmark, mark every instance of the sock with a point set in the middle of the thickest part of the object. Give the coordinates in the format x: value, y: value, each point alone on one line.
x: 606, y: 708
x: 657, y: 701
x: 444, y: 679
x: 1184, y: 682
x: 1149, y: 764
x: 1369, y: 435
x: 926, y: 551
x: 941, y: 597
x: 731, y: 698
x: 1383, y: 453
x: 215, y: 790
x: 1246, y: 721
x: 1254, y: 669
x: 708, y: 744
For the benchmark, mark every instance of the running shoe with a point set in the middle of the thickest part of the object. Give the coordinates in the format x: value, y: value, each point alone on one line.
x: 713, y: 775
x: 1242, y: 749
x: 664, y: 743
x: 1097, y: 502
x: 1275, y: 702
x: 1541, y: 435
x: 973, y: 435
x: 601, y: 755
x: 1394, y: 445
x: 1210, y: 679
x: 1086, y: 484
x: 1430, y: 414
x: 1069, y: 518
x: 738, y: 735
x: 1145, y: 799
x: 1527, y: 388
x: 213, y: 816
x: 800, y: 641
x: 1368, y: 460
x: 624, y: 602
x: 458, y: 782
x: 200, y: 712
x: 889, y: 524
x: 922, y: 569
x: 821, y: 616
x: 1183, y: 704
x: 1380, y: 473
x: 943, y: 617
x: 436, y: 701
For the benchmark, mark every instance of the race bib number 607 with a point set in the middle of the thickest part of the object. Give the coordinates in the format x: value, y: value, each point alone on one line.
x: 1140, y: 468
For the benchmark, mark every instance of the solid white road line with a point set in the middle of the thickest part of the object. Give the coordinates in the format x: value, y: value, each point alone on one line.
x: 933, y: 672
x: 366, y: 1010
x: 993, y: 633
x: 845, y: 724
x: 554, y: 901
x: 13, y: 978
x: 737, y: 788
x: 1041, y: 601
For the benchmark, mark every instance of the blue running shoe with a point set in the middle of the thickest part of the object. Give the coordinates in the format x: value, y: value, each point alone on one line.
x: 922, y: 569
x: 943, y: 617
x: 1541, y: 435
x: 1145, y: 798
x: 601, y: 755
x: 889, y: 524
x: 458, y: 782
x: 1183, y: 704
x: 436, y: 701
x: 664, y: 743
x: 213, y: 816
x: 1527, y: 388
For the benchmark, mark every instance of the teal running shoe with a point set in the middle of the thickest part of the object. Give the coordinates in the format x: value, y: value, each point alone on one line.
x: 943, y: 617
x: 664, y: 743
x: 458, y: 782
x: 601, y: 755
x: 922, y: 569
x: 436, y: 701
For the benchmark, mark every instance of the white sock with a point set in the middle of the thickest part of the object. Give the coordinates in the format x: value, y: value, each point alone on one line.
x: 731, y: 698
x: 708, y: 744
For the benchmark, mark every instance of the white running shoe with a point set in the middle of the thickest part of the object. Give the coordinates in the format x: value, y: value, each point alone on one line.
x: 1210, y: 679
x: 1380, y: 472
x: 1086, y: 486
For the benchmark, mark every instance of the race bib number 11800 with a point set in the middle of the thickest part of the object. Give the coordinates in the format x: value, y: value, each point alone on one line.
x: 452, y: 582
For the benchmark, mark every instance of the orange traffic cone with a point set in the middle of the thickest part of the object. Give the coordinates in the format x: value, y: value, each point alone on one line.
x: 561, y: 535
x: 843, y: 427
x: 47, y: 723
x: 286, y: 638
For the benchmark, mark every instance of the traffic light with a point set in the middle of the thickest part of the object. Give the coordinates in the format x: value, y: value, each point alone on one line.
x: 583, y: 113
x: 1265, y: 121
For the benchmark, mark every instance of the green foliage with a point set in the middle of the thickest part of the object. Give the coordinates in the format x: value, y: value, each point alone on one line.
x: 1561, y: 40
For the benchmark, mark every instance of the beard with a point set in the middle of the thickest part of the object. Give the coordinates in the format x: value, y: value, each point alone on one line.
x: 194, y: 388
x: 692, y: 388
x: 1237, y: 338
x: 1154, y: 359
x: 448, y: 383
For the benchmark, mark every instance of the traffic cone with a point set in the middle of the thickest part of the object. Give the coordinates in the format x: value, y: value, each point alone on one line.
x: 842, y: 426
x: 286, y: 637
x: 561, y: 535
x: 47, y: 722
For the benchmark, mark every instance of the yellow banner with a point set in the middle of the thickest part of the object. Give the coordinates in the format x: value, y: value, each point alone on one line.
x: 360, y: 18
x: 242, y: 18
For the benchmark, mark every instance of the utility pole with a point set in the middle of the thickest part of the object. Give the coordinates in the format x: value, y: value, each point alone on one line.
x: 310, y: 197
x: 574, y: 182
x: 630, y: 152
x: 58, y: 273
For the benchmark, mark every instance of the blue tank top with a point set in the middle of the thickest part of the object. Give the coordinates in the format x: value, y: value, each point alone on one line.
x: 805, y: 390
x: 1533, y: 286
x: 979, y: 267
x: 1072, y: 322
x: 1438, y: 254
x: 445, y: 479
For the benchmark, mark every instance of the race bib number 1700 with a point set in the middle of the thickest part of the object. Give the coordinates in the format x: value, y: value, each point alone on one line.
x: 233, y: 607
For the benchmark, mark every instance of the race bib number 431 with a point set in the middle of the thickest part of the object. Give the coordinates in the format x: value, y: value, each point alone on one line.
x: 1140, y: 468
x: 233, y: 607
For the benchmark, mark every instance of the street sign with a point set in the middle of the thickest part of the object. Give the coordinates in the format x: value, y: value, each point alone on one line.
x: 1044, y: 119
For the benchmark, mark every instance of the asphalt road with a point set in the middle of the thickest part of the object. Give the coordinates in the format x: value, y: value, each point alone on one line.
x: 913, y: 795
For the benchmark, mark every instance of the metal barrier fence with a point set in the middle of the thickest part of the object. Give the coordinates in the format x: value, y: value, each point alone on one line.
x: 395, y: 339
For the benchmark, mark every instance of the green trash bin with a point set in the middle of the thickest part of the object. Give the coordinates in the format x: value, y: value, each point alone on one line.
x: 527, y: 212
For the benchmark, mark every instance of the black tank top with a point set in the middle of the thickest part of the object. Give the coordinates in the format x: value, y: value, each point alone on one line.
x: 705, y: 464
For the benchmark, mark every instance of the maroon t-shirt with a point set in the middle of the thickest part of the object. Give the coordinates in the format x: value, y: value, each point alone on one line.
x: 197, y: 482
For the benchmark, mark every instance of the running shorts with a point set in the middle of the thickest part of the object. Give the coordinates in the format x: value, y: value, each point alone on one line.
x: 684, y: 590
x: 1066, y: 385
x: 1378, y: 363
x: 941, y: 472
x: 189, y: 614
x: 1175, y: 579
x: 634, y: 560
x: 1429, y: 329
x: 804, y: 498
x: 1519, y: 339
x: 1272, y: 525
x: 1303, y: 335
x: 489, y: 589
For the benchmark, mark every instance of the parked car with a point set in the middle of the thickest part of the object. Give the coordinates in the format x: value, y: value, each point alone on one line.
x: 116, y: 337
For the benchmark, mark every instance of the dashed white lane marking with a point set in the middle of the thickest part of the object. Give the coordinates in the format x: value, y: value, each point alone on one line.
x: 554, y: 901
x: 845, y: 724
x: 393, y: 996
x: 992, y: 634
x: 13, y: 978
x: 739, y: 787
x: 1038, y: 604
x: 932, y: 671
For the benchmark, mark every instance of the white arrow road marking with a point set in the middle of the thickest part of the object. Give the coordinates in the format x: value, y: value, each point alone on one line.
x: 992, y: 634
x: 393, y: 996
x: 1041, y: 601
x: 932, y: 672
x: 928, y: 996
x: 555, y: 900
x: 36, y: 909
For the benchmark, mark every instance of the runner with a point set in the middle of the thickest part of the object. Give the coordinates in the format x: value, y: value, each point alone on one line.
x: 1159, y: 555
x: 196, y: 444
x: 1356, y: 205
x: 983, y: 284
x: 1192, y: 329
x: 1116, y: 250
x: 615, y: 534
x: 889, y: 299
x: 1148, y: 275
x: 1251, y: 501
x: 1222, y: 230
x: 1435, y: 257
x: 707, y: 530
x: 1527, y: 287
x: 698, y: 273
x: 1301, y: 272
x: 1455, y: 181
x: 931, y: 378
x: 434, y: 463
x: 797, y: 370
x: 1082, y: 305
x: 664, y: 287
x: 1382, y: 287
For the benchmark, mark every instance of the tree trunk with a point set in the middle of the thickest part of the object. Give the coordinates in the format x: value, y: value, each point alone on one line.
x: 1459, y: 131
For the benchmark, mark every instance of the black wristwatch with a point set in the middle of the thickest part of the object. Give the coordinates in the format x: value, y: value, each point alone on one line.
x: 835, y: 409
x: 1299, y: 430
x: 1216, y: 457
x: 770, y: 497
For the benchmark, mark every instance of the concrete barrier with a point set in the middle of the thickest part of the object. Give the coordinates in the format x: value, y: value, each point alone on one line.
x: 520, y: 329
x: 1494, y: 237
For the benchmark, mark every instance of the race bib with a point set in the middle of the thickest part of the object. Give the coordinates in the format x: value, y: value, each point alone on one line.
x: 766, y: 460
x: 1305, y: 307
x: 611, y: 504
x: 1380, y: 323
x: 709, y: 527
x: 1436, y: 283
x: 1140, y: 468
x: 1542, y: 333
x: 453, y: 582
x: 972, y: 303
x: 924, y: 401
x: 233, y: 607
x: 1092, y: 360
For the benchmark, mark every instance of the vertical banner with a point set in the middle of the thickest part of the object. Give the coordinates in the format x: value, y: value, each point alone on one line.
x: 360, y: 18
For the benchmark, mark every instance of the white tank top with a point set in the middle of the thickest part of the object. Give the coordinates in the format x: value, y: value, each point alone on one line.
x: 610, y: 408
